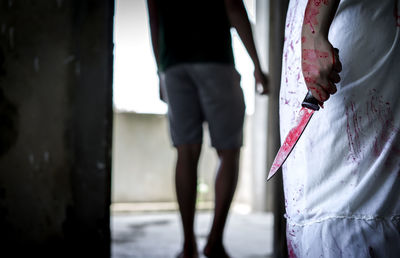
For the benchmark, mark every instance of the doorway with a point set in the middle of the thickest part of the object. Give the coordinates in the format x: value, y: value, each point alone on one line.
x: 143, y: 197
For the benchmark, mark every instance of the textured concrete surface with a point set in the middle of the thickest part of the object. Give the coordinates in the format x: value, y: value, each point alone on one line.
x: 55, y: 127
x: 158, y: 235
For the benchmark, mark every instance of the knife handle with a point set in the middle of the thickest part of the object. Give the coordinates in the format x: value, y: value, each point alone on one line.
x: 310, y: 102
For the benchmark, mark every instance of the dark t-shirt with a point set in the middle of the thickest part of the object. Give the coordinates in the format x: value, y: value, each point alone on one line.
x: 193, y: 31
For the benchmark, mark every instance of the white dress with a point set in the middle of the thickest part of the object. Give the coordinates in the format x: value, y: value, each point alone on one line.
x: 342, y: 180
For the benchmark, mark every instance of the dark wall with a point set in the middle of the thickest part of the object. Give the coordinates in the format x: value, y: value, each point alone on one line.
x: 55, y: 127
x: 278, y: 9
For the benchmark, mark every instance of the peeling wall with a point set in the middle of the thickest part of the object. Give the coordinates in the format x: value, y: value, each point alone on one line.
x: 55, y: 127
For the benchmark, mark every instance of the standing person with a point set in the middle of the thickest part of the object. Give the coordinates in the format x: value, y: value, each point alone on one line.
x: 342, y: 180
x: 192, y: 47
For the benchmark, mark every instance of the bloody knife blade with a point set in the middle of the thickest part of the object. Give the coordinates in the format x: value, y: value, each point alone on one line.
x: 309, y: 106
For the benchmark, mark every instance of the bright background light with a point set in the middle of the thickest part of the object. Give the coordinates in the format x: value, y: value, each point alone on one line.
x: 135, y: 77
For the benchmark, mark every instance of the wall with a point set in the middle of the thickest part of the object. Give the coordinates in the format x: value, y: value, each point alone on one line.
x: 277, y: 17
x: 144, y: 162
x: 55, y: 127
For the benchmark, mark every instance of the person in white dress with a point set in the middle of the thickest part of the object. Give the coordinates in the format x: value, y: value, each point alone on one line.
x: 342, y: 180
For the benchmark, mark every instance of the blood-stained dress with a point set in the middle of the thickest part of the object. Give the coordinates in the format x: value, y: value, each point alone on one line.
x: 342, y: 180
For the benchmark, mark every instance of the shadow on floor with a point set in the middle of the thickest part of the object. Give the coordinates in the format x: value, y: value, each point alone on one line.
x: 158, y: 234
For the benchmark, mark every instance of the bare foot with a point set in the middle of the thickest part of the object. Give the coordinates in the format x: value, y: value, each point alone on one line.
x: 185, y: 255
x: 215, y: 251
x: 189, y: 251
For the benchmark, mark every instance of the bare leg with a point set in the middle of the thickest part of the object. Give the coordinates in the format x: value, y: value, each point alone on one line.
x: 225, y: 185
x: 186, y: 189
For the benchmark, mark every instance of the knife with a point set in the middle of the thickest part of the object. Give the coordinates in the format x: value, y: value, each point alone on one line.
x: 309, y: 106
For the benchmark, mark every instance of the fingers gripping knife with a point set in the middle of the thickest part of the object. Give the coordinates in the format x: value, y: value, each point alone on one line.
x: 309, y: 106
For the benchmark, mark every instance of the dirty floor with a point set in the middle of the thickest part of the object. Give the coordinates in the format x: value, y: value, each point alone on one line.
x: 158, y: 235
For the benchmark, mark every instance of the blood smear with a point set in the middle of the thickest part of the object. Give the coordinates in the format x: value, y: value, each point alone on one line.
x: 310, y: 17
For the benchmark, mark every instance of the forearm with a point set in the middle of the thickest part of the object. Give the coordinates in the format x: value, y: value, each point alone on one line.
x: 320, y: 63
x: 318, y: 17
x: 239, y: 20
x: 153, y: 21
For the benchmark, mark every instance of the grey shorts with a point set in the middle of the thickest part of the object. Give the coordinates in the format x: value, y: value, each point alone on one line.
x: 204, y: 92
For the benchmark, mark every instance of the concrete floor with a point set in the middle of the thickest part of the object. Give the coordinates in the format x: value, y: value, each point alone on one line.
x: 158, y: 234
